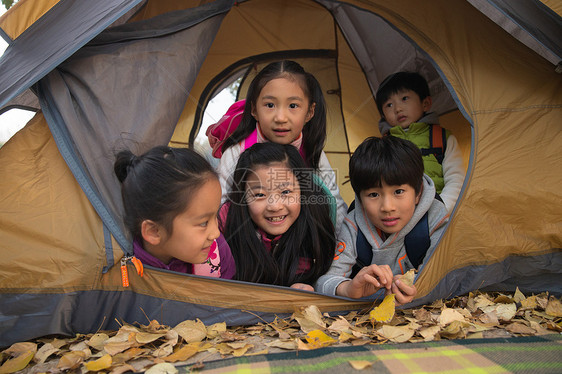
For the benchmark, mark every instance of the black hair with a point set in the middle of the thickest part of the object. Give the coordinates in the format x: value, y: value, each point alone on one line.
x: 311, y: 236
x: 314, y: 132
x: 158, y: 185
x: 389, y: 159
x: 403, y: 80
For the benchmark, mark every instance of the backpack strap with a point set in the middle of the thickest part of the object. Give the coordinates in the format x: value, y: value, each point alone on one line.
x: 364, y: 253
x: 437, y: 143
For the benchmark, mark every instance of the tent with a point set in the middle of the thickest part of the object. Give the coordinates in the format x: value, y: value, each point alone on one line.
x: 137, y: 73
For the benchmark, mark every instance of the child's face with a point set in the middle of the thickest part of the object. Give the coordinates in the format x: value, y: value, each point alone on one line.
x: 282, y: 109
x: 404, y: 108
x: 273, y: 197
x: 390, y: 208
x: 195, y: 229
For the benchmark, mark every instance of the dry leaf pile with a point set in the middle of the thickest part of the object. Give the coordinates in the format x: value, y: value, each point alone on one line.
x: 155, y: 348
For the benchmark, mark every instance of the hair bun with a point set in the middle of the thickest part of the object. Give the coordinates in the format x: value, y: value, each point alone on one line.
x: 123, y: 161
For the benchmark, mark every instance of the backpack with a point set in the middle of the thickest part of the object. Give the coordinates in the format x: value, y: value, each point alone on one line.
x: 218, y: 132
x: 417, y: 242
x: 437, y: 143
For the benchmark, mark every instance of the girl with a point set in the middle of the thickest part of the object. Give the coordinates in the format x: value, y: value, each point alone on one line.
x: 171, y: 198
x: 284, y: 105
x: 278, y: 221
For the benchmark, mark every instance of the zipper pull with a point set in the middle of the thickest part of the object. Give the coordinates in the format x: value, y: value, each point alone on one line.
x: 124, y: 271
x: 138, y: 265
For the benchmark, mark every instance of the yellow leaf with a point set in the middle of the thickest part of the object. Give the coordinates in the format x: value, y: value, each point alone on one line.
x: 385, y: 311
x: 360, y: 364
x: 191, y: 331
x: 17, y: 363
x: 319, y: 339
x: 101, y: 363
x: 408, y: 278
x: 183, y: 353
x: 554, y: 307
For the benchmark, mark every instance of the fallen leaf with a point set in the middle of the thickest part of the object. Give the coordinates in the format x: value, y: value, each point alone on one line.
x: 100, y: 364
x: 385, y: 311
x: 449, y: 315
x: 162, y: 368
x: 129, y: 354
x: 519, y: 328
x: 97, y: 341
x: 455, y: 330
x: 191, y: 331
x: 340, y: 325
x: 490, y: 318
x: 215, y: 330
x: 117, y: 347
x: 482, y: 301
x: 318, y: 339
x: 22, y: 354
x: 518, y: 296
x: 44, y: 352
x: 122, y: 369
x: 283, y: 344
x: 529, y: 303
x: 505, y: 312
x: 147, y: 337
x: 408, y: 278
x: 360, y: 364
x: 423, y: 315
x: 554, y: 307
x: 309, y: 318
x: 396, y: 334
x: 183, y: 353
x: 429, y: 333
x: 71, y: 360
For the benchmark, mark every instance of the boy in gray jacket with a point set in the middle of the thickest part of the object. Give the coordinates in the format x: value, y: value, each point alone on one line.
x: 392, y: 194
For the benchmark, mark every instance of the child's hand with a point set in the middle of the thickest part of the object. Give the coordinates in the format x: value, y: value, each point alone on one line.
x: 403, y: 293
x: 303, y: 286
x: 368, y: 280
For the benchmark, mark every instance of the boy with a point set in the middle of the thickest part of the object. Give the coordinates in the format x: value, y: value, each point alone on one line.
x: 404, y: 102
x: 392, y: 196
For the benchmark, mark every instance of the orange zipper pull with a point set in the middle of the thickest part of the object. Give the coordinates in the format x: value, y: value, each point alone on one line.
x: 124, y: 272
x: 138, y: 265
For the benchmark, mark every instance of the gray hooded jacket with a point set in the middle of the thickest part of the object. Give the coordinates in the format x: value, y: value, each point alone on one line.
x: 392, y: 251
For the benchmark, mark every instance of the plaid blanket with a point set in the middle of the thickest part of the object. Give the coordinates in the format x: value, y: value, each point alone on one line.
x: 536, y: 354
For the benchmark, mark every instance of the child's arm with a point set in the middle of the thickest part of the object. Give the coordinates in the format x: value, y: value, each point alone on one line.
x: 368, y: 280
x: 226, y: 168
x: 328, y: 176
x: 302, y: 286
x: 453, y: 173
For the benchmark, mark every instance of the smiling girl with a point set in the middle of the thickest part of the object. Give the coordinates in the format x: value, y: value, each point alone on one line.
x: 284, y: 105
x: 171, y: 198
x: 278, y: 222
